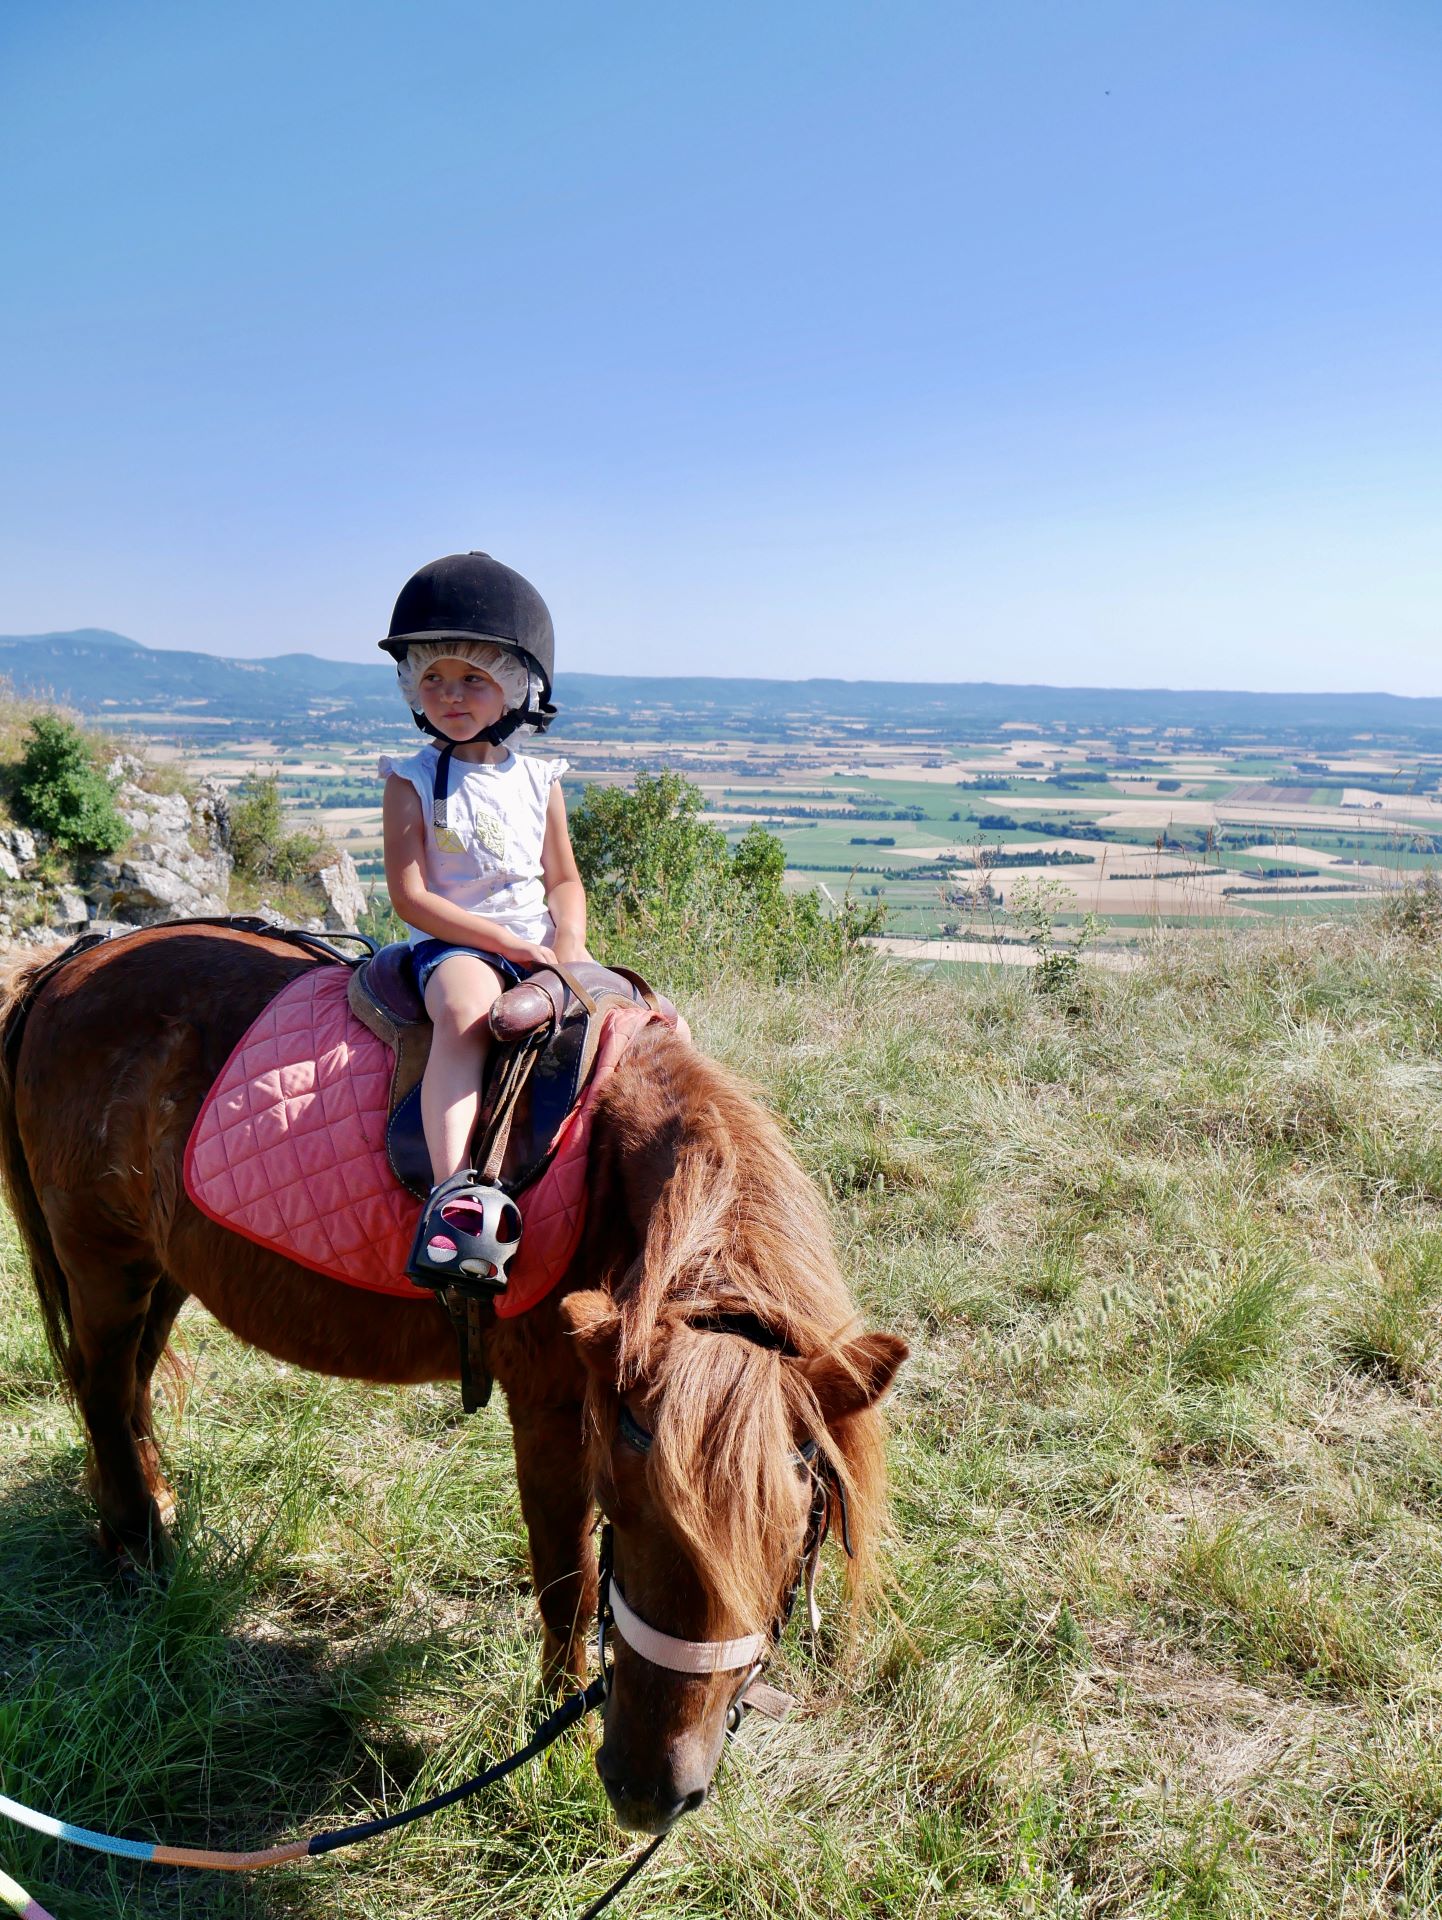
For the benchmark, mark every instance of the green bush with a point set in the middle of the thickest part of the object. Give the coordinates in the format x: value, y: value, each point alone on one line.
x: 666, y: 892
x: 259, y: 843
x: 59, y: 789
x: 380, y: 921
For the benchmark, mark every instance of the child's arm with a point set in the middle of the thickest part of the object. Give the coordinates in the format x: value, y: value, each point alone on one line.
x: 405, y: 852
x: 565, y: 893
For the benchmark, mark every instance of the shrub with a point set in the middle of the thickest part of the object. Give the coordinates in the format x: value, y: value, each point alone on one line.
x: 664, y: 889
x: 1415, y: 910
x: 380, y: 921
x: 259, y: 842
x: 59, y: 789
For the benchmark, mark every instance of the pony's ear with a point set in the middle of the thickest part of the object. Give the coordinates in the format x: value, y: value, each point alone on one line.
x: 854, y: 1376
x: 594, y: 1322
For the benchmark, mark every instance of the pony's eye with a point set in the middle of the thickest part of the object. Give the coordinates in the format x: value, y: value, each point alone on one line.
x: 631, y: 1431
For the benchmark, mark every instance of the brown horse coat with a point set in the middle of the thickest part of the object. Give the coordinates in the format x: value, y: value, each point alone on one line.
x: 696, y: 1208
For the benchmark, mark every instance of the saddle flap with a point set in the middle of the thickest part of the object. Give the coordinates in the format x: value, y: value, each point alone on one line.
x: 382, y: 1001
x: 580, y: 994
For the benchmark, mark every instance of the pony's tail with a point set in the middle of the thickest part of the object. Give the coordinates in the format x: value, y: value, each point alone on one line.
x: 49, y: 1276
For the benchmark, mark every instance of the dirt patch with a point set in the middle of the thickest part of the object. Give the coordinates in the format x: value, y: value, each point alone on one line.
x: 1196, y: 1722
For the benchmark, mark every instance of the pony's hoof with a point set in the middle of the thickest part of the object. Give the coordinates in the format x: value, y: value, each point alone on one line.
x: 134, y: 1571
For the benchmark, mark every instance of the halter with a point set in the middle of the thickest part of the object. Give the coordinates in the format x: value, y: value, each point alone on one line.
x: 749, y: 1653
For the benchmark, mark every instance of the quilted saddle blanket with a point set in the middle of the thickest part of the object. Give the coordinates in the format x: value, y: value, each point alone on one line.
x: 289, y: 1148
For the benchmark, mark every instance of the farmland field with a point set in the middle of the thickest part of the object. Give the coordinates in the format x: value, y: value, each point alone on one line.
x: 981, y: 838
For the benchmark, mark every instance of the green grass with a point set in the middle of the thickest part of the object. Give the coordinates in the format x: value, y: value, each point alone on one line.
x: 1164, y: 1630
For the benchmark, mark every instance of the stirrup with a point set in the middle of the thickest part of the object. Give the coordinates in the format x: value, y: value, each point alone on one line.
x: 466, y: 1238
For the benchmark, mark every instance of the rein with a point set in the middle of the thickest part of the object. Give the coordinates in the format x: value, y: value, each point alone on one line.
x: 571, y: 1710
x: 747, y: 1654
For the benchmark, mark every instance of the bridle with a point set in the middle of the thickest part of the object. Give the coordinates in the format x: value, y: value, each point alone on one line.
x: 749, y: 1654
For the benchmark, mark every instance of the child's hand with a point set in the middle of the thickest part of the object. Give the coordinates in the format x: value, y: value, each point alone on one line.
x: 533, y: 954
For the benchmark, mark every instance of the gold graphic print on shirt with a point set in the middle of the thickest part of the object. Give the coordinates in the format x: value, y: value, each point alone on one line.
x: 490, y: 833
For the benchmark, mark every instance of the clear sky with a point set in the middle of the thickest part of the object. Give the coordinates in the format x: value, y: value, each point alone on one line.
x: 1093, y: 341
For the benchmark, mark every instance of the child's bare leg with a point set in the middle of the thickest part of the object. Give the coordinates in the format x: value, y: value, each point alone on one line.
x: 458, y: 998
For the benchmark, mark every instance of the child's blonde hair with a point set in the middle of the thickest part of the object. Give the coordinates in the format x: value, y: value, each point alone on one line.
x: 509, y: 673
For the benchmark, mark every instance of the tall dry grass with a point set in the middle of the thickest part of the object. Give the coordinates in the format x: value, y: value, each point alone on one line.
x: 1166, y: 1608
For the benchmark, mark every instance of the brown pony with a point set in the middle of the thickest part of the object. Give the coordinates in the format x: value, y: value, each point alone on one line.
x: 705, y: 1297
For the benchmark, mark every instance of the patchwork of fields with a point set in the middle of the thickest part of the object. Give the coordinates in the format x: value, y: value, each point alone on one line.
x: 973, y: 845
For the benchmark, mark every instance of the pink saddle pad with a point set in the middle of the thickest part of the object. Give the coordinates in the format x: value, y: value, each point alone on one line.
x: 289, y: 1148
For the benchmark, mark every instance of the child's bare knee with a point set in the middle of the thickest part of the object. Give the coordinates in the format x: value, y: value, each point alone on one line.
x: 461, y: 1022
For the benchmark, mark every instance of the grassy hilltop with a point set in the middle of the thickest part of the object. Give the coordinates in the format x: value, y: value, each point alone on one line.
x: 1167, y: 1609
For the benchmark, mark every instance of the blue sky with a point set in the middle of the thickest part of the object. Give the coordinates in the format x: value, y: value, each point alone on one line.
x: 1081, y: 341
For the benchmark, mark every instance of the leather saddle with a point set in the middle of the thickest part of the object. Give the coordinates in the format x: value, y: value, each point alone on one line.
x: 555, y: 1010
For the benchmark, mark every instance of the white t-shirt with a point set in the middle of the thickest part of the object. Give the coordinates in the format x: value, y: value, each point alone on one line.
x: 485, y: 855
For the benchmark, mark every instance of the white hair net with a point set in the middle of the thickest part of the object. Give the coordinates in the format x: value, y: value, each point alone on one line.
x: 505, y: 668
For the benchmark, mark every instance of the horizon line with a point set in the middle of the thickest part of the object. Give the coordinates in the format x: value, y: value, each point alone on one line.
x: 812, y: 680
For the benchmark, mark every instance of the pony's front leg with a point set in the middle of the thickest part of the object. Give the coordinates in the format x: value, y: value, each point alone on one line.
x: 556, y: 1503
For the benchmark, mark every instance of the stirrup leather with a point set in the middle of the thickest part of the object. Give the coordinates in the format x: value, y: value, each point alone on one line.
x: 474, y: 1258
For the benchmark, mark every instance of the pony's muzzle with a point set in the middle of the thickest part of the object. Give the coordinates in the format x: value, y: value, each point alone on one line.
x: 647, y: 1806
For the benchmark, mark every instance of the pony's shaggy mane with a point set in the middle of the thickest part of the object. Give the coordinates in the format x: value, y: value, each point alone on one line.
x: 733, y: 1228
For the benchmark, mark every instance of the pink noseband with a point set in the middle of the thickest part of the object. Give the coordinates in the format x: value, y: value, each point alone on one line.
x: 682, y: 1656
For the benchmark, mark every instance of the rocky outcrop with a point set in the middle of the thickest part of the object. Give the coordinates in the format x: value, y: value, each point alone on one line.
x: 178, y: 865
x: 34, y: 906
x: 345, y: 900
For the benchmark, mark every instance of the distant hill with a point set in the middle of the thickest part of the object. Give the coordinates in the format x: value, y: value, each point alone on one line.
x: 202, y: 695
x: 95, y: 671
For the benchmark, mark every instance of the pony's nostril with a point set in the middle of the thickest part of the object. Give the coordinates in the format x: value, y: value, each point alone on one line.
x: 691, y: 1801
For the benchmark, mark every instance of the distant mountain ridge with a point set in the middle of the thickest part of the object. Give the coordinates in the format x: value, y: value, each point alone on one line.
x: 103, y: 674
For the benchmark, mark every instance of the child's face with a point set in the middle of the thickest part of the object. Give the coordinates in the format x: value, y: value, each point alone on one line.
x: 460, y: 699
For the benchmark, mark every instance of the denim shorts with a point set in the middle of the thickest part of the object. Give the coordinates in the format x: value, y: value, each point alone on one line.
x: 427, y: 955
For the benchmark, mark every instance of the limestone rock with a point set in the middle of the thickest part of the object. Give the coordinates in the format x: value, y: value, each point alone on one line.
x: 70, y: 909
x: 166, y: 814
x: 345, y: 900
x: 212, y: 816
x: 19, y: 843
x: 165, y: 875
x: 144, y: 892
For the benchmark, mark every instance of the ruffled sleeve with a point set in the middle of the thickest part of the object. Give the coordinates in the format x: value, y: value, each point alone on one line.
x: 410, y: 766
x: 543, y: 775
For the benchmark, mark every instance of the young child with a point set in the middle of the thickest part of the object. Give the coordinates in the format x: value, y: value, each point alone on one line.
x: 477, y: 854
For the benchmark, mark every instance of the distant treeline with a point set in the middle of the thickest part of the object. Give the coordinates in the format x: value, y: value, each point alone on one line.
x: 1059, y: 829
x: 954, y: 869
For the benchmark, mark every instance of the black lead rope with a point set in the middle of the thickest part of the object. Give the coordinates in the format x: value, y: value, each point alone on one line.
x: 574, y: 1708
x: 625, y: 1880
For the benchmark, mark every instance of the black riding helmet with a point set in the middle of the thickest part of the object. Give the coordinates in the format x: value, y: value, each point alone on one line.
x: 470, y: 596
